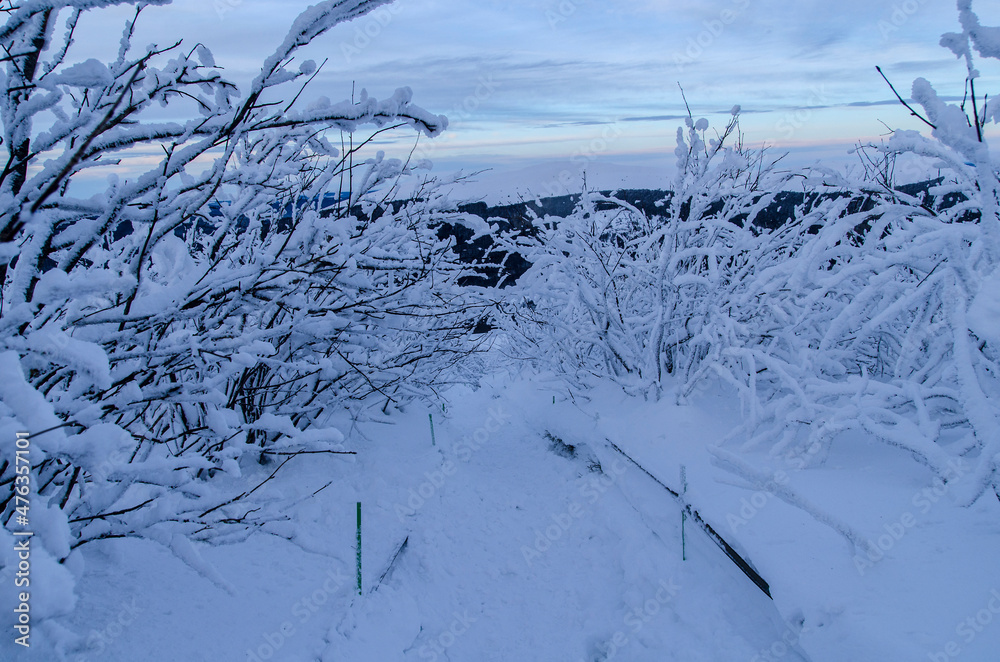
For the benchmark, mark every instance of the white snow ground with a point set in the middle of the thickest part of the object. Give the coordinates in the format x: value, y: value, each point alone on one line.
x: 516, y: 552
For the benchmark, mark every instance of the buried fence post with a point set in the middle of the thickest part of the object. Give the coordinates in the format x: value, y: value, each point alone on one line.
x: 392, y: 562
x: 684, y: 489
x: 359, y: 548
x: 733, y: 555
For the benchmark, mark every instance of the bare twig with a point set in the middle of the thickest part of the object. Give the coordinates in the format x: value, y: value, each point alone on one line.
x: 902, y: 101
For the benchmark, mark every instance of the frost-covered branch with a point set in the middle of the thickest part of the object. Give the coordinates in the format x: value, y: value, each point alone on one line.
x: 216, y: 307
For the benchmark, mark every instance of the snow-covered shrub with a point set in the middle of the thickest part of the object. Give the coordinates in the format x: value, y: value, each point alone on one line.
x: 180, y: 324
x: 869, y: 309
x: 887, y: 319
x: 614, y: 291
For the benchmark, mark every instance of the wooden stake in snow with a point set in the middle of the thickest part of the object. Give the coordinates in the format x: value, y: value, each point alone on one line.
x: 392, y: 562
x: 359, y: 548
x: 684, y: 489
x: 733, y: 555
x: 430, y: 417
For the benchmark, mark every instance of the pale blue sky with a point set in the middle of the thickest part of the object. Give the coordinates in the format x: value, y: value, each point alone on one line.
x: 534, y: 80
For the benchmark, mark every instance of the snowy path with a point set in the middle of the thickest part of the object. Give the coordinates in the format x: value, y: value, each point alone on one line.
x: 515, y: 552
x: 519, y: 553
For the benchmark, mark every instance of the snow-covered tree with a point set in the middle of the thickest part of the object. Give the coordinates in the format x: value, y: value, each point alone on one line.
x: 643, y: 298
x: 886, y: 320
x: 209, y: 312
x: 869, y: 309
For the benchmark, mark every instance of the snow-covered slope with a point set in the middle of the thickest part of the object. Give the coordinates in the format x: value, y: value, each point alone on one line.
x: 520, y: 548
x: 515, y: 551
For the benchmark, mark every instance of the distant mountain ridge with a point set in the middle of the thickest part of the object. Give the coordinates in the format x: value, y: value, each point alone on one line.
x: 495, y: 268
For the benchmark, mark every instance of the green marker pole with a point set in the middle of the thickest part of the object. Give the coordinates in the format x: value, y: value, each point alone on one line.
x: 430, y: 417
x: 684, y: 489
x: 359, y: 548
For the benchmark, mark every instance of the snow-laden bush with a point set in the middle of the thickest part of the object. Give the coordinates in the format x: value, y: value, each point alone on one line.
x: 161, y: 336
x: 887, y: 319
x: 614, y: 291
x: 881, y: 316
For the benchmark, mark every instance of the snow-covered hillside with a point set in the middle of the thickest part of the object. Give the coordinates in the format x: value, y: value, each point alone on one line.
x: 518, y: 549
x: 752, y: 414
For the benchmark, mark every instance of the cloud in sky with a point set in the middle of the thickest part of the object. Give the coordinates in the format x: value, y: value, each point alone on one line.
x: 558, y: 73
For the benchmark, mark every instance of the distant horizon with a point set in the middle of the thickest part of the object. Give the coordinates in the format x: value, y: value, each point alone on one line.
x: 581, y: 81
